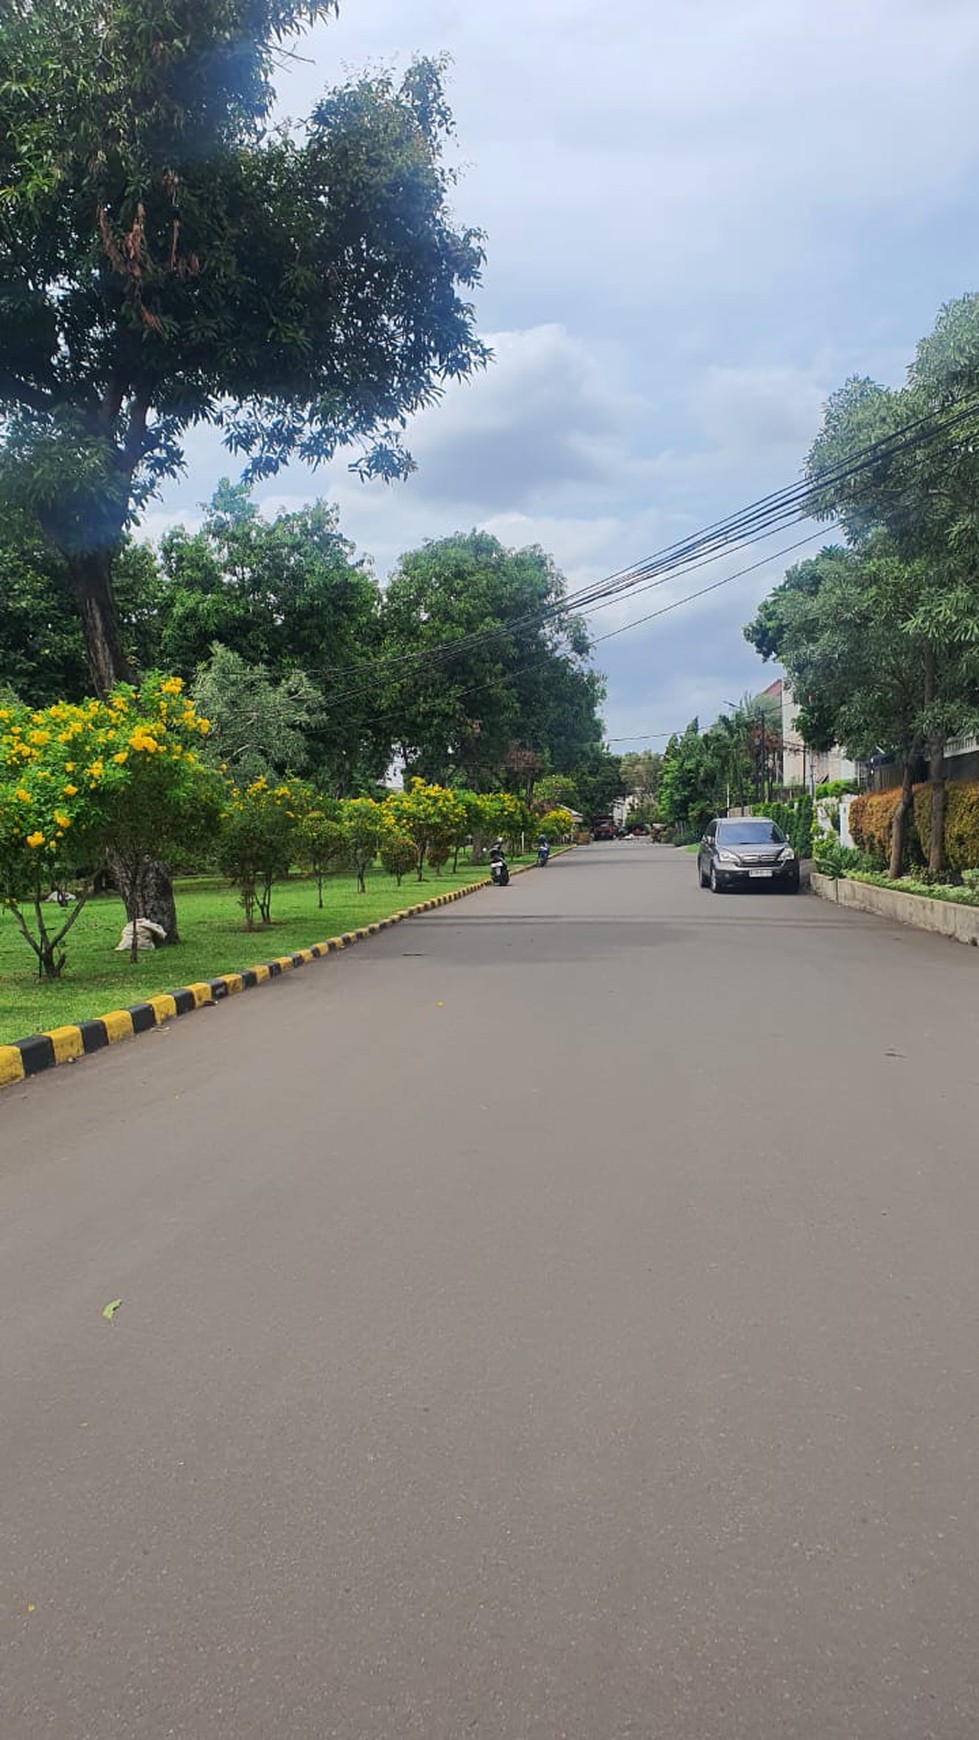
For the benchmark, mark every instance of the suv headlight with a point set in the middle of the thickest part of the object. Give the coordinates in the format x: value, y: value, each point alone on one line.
x: 786, y: 855
x: 727, y: 857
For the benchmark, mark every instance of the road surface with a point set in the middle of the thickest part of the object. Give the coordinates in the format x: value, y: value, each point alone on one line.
x: 559, y: 1317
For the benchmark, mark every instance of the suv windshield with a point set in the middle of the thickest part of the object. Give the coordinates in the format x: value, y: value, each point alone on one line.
x: 749, y: 831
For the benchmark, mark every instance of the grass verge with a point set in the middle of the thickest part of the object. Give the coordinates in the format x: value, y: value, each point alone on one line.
x: 215, y: 940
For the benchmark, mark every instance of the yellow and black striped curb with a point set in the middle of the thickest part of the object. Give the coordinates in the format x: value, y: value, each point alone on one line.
x: 64, y: 1044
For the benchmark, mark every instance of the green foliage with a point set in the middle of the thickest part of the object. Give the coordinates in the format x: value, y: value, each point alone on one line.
x: 921, y: 885
x: 641, y: 773
x: 362, y: 820
x: 830, y: 858
x: 686, y: 795
x: 961, y: 829
x: 169, y: 258
x: 508, y: 688
x: 598, y: 780
x: 321, y: 844
x: 872, y: 816
x: 399, y: 854
x: 431, y: 816
x: 795, y: 820
x: 257, y: 842
x: 259, y: 726
x: 556, y: 791
x: 121, y: 778
x: 555, y: 825
x: 835, y: 788
x: 287, y: 597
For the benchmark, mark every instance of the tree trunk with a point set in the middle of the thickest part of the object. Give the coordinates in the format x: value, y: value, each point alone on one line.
x: 899, y: 825
x: 91, y: 577
x: 147, y: 892
x: 936, y: 780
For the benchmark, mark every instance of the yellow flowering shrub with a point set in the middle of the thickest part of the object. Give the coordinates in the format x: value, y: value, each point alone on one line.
x: 432, y: 816
x: 258, y: 841
x: 83, y: 781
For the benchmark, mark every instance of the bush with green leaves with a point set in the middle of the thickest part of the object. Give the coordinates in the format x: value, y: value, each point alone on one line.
x: 399, y: 854
x: 119, y: 779
x: 321, y: 844
x: 432, y: 816
x: 795, y: 820
x: 555, y: 825
x: 363, y: 822
x: 830, y: 858
x: 257, y: 843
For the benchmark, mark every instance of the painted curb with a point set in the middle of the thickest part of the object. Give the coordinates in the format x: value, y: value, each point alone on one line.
x: 40, y: 1051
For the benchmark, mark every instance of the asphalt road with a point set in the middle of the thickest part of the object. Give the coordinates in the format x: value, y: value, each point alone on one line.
x: 557, y: 1317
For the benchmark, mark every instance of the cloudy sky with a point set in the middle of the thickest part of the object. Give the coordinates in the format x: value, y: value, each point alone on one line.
x: 701, y: 217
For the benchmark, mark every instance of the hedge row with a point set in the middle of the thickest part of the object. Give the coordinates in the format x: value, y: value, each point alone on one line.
x: 795, y: 821
x: 872, y: 814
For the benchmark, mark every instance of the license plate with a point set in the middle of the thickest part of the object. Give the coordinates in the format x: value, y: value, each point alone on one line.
x: 761, y: 872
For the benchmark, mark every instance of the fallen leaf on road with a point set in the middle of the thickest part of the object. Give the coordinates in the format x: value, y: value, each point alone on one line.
x: 440, y: 1005
x: 109, y: 1311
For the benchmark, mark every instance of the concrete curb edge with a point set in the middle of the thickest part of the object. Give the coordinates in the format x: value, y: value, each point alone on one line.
x: 40, y: 1051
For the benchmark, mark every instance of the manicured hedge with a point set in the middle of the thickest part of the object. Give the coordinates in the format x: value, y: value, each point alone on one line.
x: 795, y: 821
x: 872, y: 814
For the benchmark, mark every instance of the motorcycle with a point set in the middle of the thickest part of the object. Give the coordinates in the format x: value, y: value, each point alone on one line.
x: 543, y: 852
x: 499, y: 872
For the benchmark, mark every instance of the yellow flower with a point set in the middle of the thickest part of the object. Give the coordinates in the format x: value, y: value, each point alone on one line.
x: 120, y: 758
x: 69, y: 767
x: 24, y: 796
x: 96, y: 770
x: 36, y: 839
x: 172, y: 686
x: 40, y: 738
x: 62, y: 820
x: 69, y: 791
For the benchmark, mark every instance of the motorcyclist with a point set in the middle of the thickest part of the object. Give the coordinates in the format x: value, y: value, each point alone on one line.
x: 498, y: 864
x: 543, y: 850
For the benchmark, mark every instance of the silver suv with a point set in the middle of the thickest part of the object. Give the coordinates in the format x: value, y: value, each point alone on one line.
x: 738, y: 850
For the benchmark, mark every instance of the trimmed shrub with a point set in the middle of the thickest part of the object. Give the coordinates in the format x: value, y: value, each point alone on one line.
x: 871, y: 819
x: 872, y: 814
x: 794, y: 819
x: 961, y: 822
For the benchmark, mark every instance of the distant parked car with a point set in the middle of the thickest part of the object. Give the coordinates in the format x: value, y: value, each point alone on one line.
x: 738, y: 850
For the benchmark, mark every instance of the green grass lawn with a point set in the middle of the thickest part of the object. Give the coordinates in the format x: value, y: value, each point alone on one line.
x: 215, y: 940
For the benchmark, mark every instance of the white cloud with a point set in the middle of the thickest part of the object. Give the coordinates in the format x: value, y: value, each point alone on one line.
x: 700, y: 219
x: 764, y: 410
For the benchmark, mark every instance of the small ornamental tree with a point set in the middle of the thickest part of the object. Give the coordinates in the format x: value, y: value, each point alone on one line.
x: 120, y: 778
x: 321, y: 844
x: 431, y: 815
x: 555, y: 825
x: 362, y: 821
x: 158, y: 798
x: 399, y: 854
x: 505, y: 816
x: 257, y: 844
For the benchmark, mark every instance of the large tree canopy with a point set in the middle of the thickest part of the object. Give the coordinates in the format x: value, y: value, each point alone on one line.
x: 168, y: 259
x: 512, y: 680
x: 884, y: 635
x: 286, y: 595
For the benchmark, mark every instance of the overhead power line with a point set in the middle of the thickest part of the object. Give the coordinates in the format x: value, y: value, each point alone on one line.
x: 758, y: 521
